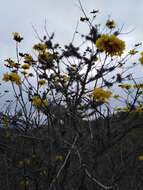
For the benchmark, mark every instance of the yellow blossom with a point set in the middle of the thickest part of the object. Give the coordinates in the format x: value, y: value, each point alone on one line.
x: 37, y: 101
x: 59, y: 157
x: 141, y: 58
x: 29, y: 59
x: 138, y: 85
x: 111, y: 44
x: 73, y: 67
x: 139, y: 109
x: 126, y: 86
x: 13, y: 77
x: 25, y: 66
x: 11, y: 63
x: 133, y: 51
x: 40, y: 47
x: 110, y: 24
x: 45, y: 56
x: 24, y: 182
x: 100, y: 94
x: 65, y: 78
x: 6, y: 77
x: 140, y: 157
x: 17, y: 37
x: 41, y: 82
x: 56, y: 79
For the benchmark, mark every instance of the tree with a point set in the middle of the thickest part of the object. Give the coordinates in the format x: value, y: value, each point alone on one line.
x: 64, y: 116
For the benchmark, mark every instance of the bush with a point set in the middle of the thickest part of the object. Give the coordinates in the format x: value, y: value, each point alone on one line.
x: 66, y: 132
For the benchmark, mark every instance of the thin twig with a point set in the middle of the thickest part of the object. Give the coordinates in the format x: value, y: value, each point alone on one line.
x: 63, y: 165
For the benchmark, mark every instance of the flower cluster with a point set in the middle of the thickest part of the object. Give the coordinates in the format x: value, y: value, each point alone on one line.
x: 38, y: 101
x: 29, y: 59
x: 125, y: 86
x: 139, y: 109
x: 17, y: 37
x: 140, y: 85
x: 141, y: 58
x: 40, y: 47
x: 41, y: 82
x: 100, y: 94
x: 111, y: 44
x: 59, y: 157
x: 140, y: 157
x: 133, y: 52
x: 13, y: 77
x: 25, y: 66
x: 10, y: 63
x: 62, y: 78
x: 110, y: 24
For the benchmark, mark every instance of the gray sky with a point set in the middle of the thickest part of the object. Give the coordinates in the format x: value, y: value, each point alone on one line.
x: 62, y: 16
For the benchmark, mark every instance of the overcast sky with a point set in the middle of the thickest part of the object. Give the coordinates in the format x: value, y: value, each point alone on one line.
x: 62, y: 16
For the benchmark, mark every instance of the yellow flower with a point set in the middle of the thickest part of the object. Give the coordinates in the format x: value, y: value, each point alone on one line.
x: 41, y: 82
x: 110, y: 24
x: 24, y: 182
x: 40, y: 47
x: 29, y: 59
x: 100, y: 94
x: 17, y: 37
x: 59, y: 157
x: 73, y: 67
x: 11, y: 63
x: 46, y: 59
x: 133, y: 51
x: 37, y: 101
x: 126, y: 86
x: 141, y: 58
x: 110, y: 44
x: 6, y: 77
x: 45, y: 56
x: 139, y: 109
x: 138, y: 85
x: 56, y: 79
x: 13, y: 77
x: 140, y: 157
x: 65, y: 78
x: 25, y: 66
